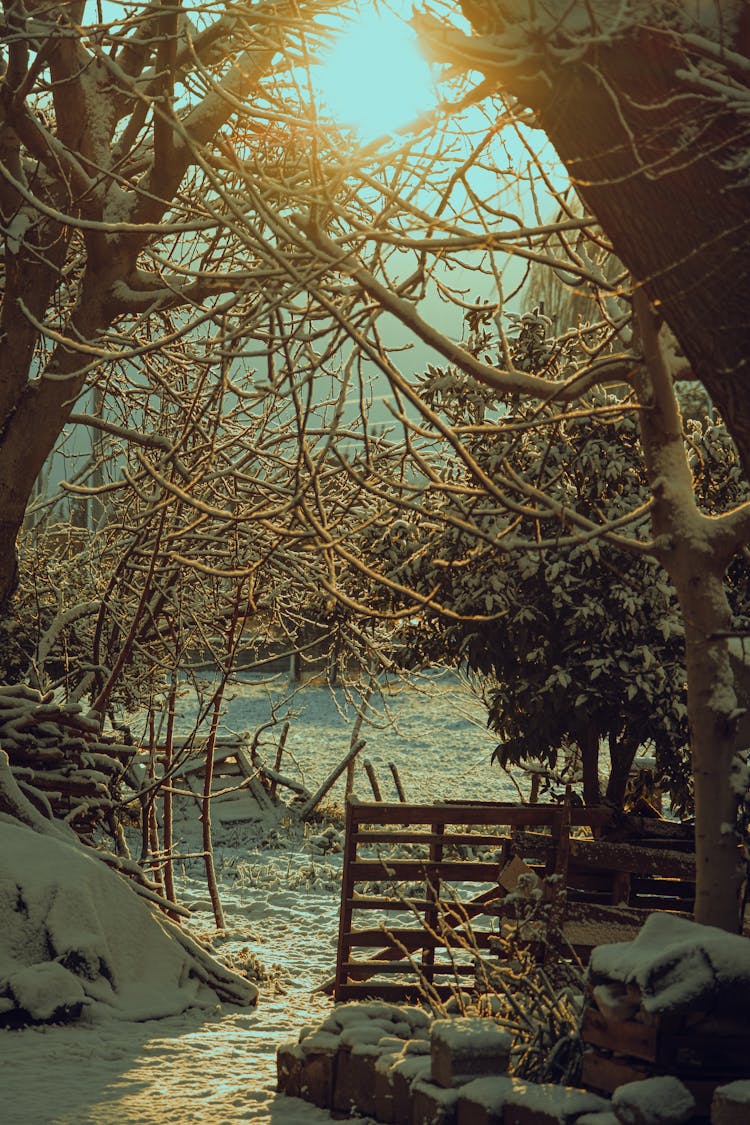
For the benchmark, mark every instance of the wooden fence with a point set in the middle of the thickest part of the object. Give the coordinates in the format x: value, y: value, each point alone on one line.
x: 406, y: 866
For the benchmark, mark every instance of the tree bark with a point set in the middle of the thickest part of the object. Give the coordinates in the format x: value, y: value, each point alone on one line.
x: 696, y: 550
x: 621, y: 756
x: 656, y: 158
x: 589, y: 744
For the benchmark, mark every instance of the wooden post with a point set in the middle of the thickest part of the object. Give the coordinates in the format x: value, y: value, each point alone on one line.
x: 373, y: 781
x: 397, y: 782
x: 349, y: 785
x: 279, y: 756
x: 312, y: 803
x: 347, y: 895
x: 432, y: 895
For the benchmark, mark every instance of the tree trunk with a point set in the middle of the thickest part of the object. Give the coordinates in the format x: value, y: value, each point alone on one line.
x: 589, y: 745
x: 696, y: 552
x: 621, y: 756
x: 655, y: 156
x: 656, y: 150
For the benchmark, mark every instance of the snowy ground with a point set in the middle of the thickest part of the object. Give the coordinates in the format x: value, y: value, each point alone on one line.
x: 281, y: 905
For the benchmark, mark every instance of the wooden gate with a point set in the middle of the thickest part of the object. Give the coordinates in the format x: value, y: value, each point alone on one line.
x: 407, y: 865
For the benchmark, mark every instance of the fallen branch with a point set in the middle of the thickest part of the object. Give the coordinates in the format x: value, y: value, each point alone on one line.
x: 310, y: 805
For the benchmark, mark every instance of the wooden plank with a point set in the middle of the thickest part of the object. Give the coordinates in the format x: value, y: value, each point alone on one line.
x: 476, y: 907
x: 599, y: 855
x: 631, y: 827
x: 594, y: 816
x: 368, y: 837
x: 626, y: 1037
x: 387, y: 903
x: 345, y: 911
x: 462, y: 813
x: 604, y: 1074
x: 365, y: 970
x: 390, y: 990
x: 672, y: 905
x: 653, y: 884
x: 410, y: 938
x: 424, y: 870
x: 433, y: 895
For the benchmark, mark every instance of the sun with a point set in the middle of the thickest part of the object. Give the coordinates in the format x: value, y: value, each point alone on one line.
x: 374, y: 79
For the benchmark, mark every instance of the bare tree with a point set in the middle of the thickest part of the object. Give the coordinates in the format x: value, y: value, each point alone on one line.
x: 644, y: 109
x: 126, y: 150
x: 148, y: 210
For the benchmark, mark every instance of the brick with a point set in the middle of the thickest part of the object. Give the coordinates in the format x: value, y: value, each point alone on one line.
x: 288, y: 1069
x: 467, y: 1047
x: 731, y: 1104
x: 403, y: 1074
x: 433, y: 1104
x: 661, y: 1100
x: 317, y: 1076
x: 530, y: 1103
x: 481, y: 1102
x: 384, y: 1087
x: 354, y: 1086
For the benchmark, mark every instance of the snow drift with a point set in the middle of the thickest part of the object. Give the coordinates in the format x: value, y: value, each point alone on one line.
x: 76, y: 938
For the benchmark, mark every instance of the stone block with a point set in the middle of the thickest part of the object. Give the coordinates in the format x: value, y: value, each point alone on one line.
x: 288, y: 1069
x: 317, y: 1075
x: 384, y: 1086
x: 481, y: 1102
x: 433, y: 1104
x: 661, y: 1100
x: 530, y: 1103
x: 731, y: 1104
x: 467, y: 1047
x: 393, y: 1086
x: 354, y: 1086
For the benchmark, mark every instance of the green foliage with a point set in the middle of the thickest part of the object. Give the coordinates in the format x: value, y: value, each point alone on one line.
x: 581, y: 641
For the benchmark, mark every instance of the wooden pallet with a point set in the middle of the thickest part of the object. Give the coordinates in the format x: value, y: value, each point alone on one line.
x: 702, y: 1050
x: 611, y: 886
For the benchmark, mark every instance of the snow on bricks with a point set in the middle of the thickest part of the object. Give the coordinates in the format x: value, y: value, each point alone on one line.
x: 677, y: 965
x: 395, y: 1079
x: 731, y: 1104
x: 335, y: 1065
x: 654, y: 1101
x: 379, y: 1060
x: 467, y: 1047
x: 511, y: 1101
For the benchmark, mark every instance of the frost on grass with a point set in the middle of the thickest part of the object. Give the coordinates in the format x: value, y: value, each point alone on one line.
x: 75, y: 938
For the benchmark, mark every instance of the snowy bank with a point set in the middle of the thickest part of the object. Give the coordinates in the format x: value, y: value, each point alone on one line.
x: 75, y: 938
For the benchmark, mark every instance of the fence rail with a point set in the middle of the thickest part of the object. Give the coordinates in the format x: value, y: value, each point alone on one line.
x: 464, y: 858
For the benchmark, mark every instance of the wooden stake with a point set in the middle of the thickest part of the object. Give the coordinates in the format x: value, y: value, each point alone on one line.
x: 279, y: 756
x: 397, y: 782
x: 373, y: 781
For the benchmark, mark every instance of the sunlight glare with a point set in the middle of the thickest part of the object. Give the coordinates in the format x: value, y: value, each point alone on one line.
x: 375, y: 79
